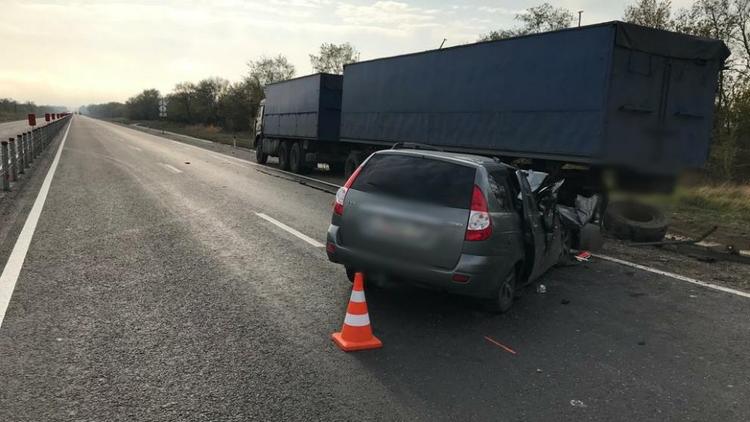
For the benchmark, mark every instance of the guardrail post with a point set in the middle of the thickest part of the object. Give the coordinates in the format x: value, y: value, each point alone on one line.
x: 6, y: 165
x: 33, y: 147
x: 21, y: 152
x: 27, y: 158
x: 13, y: 159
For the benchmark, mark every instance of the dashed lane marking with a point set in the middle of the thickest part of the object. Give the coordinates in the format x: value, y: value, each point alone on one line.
x: 288, y: 229
x: 171, y: 168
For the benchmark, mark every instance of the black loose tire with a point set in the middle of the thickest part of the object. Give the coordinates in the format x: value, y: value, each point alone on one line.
x: 260, y: 156
x: 630, y: 220
x: 284, y: 155
x: 503, y: 300
x: 297, y: 159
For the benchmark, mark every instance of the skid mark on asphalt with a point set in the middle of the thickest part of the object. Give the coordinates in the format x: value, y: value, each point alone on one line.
x: 12, y: 269
x: 171, y: 168
x: 288, y: 229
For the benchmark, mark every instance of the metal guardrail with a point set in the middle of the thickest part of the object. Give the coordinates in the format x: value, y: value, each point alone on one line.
x: 17, y: 154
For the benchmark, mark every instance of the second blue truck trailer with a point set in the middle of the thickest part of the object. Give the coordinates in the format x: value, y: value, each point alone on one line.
x: 613, y: 95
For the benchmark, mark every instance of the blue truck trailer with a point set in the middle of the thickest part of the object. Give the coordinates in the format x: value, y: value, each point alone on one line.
x: 613, y: 95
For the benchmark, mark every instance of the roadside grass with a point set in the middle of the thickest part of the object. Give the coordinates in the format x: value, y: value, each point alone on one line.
x: 212, y: 133
x: 726, y: 204
x: 693, y: 209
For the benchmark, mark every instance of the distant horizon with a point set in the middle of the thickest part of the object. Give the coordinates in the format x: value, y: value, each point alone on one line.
x: 102, y: 52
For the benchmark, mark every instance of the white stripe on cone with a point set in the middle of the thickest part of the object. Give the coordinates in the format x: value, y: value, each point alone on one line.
x: 358, y: 296
x: 357, y: 320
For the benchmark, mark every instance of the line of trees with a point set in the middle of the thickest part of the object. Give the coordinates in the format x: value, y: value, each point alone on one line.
x: 219, y: 102
x: 727, y: 20
x: 13, y: 110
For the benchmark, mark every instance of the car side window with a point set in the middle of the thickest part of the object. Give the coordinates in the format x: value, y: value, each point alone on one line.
x: 500, y: 190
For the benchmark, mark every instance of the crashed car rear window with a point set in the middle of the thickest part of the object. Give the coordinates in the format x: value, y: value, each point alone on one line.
x: 419, y: 179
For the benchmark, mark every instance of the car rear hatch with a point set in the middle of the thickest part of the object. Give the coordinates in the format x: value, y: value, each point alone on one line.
x: 409, y: 207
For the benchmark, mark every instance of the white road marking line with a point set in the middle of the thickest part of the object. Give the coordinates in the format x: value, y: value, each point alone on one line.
x: 673, y: 275
x: 17, y: 256
x: 283, y: 226
x: 172, y: 168
x: 134, y: 148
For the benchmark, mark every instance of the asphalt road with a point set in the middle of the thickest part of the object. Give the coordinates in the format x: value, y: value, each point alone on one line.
x: 152, y: 290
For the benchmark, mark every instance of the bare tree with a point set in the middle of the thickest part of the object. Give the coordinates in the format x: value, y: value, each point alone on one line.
x: 267, y: 70
x: 542, y: 18
x: 333, y: 57
x: 652, y: 13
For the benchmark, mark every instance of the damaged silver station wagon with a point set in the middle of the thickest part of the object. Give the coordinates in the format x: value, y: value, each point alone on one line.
x: 462, y: 223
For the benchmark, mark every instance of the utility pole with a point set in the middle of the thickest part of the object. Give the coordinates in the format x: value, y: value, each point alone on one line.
x: 443, y: 43
x: 580, y: 12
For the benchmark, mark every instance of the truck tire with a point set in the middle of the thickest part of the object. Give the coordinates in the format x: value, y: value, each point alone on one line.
x: 297, y: 162
x: 336, y: 168
x: 629, y: 220
x: 284, y: 155
x: 353, y: 160
x: 260, y: 156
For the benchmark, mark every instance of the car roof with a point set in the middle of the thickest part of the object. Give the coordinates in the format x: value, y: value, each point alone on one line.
x: 456, y: 157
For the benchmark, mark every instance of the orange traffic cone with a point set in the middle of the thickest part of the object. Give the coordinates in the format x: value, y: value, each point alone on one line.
x: 356, y: 333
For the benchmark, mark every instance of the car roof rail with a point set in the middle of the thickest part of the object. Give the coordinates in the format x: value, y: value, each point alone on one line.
x: 415, y: 145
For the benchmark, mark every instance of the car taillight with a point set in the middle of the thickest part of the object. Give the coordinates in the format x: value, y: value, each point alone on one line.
x: 479, y: 226
x: 338, y: 204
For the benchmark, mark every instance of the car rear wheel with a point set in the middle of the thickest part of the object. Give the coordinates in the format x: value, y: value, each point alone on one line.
x: 503, y: 300
x: 284, y: 156
x: 350, y: 272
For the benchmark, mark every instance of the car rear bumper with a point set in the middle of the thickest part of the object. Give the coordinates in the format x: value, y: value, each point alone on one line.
x: 484, y: 272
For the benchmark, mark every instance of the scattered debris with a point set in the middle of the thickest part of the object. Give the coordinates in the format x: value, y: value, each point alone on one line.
x: 583, y: 256
x: 577, y: 403
x: 187, y: 162
x: 541, y: 289
x: 642, y: 343
x: 565, y: 301
x: 538, y: 370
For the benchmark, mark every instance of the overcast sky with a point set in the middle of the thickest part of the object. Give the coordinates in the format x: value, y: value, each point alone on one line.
x: 80, y: 52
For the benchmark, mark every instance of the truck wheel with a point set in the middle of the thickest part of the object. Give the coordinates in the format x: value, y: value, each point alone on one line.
x: 260, y: 156
x: 297, y: 162
x: 284, y: 155
x: 503, y: 300
x: 336, y: 168
x: 353, y: 160
x: 629, y: 220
